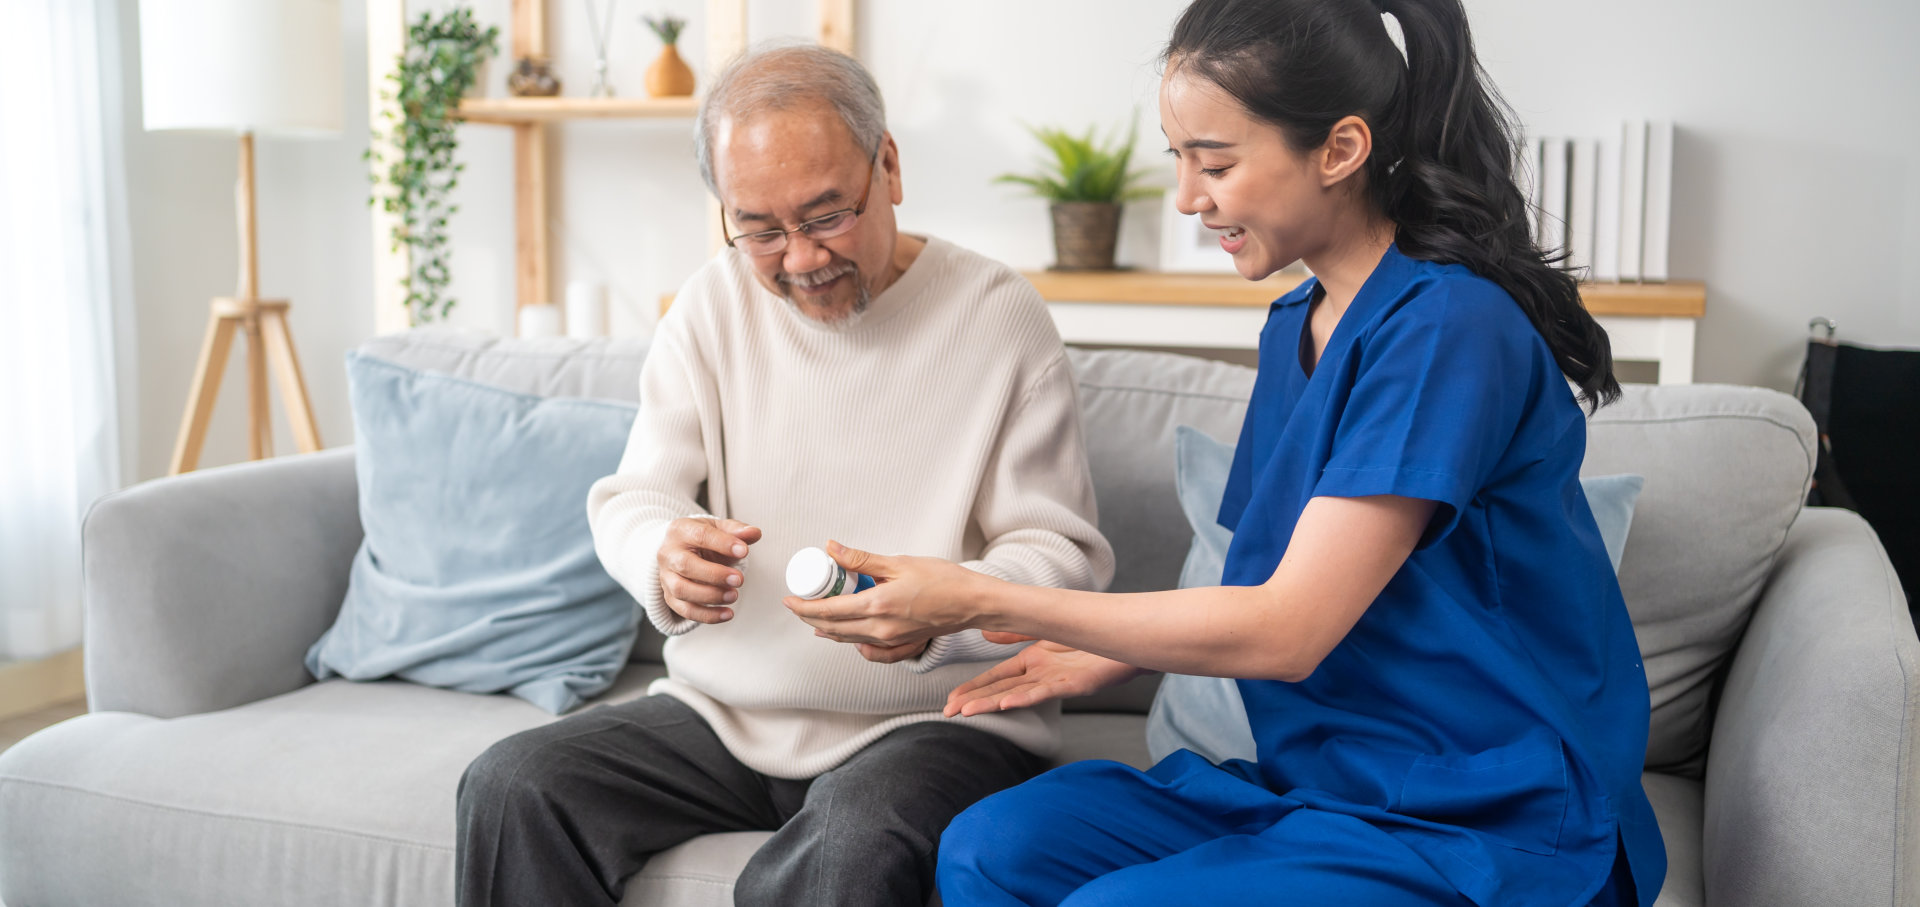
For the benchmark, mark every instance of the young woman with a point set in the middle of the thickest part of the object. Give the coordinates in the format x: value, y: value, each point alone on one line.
x: 1437, y: 665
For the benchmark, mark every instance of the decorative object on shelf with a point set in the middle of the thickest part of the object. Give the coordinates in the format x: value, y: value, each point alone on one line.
x: 600, y: 27
x: 586, y: 309
x: 1086, y: 180
x: 533, y: 77
x: 244, y: 67
x: 1187, y: 246
x: 440, y: 64
x: 668, y: 76
x: 541, y: 319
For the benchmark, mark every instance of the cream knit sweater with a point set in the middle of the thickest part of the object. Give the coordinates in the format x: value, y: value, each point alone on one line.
x: 943, y: 422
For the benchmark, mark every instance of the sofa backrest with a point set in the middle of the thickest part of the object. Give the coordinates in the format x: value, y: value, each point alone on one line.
x: 1727, y: 470
x: 548, y: 366
x: 1130, y: 403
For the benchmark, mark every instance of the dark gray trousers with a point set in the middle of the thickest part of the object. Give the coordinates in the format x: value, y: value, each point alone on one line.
x: 564, y: 813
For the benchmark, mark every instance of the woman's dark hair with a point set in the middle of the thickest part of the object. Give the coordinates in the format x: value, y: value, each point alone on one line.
x: 1443, y: 142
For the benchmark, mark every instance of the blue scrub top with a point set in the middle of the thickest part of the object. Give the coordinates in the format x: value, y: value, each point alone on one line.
x: 1489, y: 709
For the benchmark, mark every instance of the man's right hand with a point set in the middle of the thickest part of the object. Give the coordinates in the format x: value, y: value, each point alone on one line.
x: 699, y: 573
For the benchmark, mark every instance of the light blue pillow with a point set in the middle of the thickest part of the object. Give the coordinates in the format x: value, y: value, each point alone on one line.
x: 1200, y: 472
x: 478, y: 571
x: 1611, y: 498
x: 1205, y: 714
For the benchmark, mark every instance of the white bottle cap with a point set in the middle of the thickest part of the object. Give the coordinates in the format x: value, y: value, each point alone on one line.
x: 810, y: 572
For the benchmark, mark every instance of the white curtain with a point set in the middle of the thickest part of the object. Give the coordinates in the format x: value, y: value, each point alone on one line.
x: 63, y: 301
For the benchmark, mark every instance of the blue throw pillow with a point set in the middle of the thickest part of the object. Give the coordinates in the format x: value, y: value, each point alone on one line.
x: 1611, y: 499
x: 1205, y: 714
x: 478, y: 571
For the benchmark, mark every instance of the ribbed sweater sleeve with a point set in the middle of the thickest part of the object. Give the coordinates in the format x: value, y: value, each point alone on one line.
x: 659, y: 477
x: 1035, y: 509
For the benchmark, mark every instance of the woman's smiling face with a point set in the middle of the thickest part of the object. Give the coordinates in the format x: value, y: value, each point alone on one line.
x: 1242, y: 177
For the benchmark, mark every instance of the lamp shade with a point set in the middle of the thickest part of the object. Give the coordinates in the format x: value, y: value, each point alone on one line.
x: 266, y: 66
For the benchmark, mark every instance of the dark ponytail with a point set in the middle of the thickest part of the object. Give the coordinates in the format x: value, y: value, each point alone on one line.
x: 1443, y: 142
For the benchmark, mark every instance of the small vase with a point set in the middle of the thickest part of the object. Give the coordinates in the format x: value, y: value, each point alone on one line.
x: 1084, y: 235
x: 533, y: 77
x: 668, y: 76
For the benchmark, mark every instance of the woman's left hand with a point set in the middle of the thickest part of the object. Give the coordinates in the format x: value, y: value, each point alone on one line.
x: 1042, y: 671
x: 913, y: 599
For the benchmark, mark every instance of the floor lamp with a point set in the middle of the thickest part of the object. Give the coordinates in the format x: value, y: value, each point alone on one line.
x: 245, y: 67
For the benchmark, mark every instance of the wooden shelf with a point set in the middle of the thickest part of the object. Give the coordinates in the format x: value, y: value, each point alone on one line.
x: 1673, y: 299
x: 1159, y: 287
x: 509, y: 111
x: 1677, y: 299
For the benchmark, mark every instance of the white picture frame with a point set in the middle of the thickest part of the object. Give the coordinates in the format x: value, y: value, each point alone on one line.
x: 1186, y: 245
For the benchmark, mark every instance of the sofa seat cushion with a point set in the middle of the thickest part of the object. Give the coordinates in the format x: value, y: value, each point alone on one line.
x: 700, y: 873
x: 1680, y: 805
x: 338, y: 793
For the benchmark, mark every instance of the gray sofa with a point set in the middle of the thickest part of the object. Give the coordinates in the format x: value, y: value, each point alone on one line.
x: 212, y: 770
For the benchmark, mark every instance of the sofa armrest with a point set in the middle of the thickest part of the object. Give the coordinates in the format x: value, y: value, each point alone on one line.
x: 204, y: 590
x: 1811, y: 775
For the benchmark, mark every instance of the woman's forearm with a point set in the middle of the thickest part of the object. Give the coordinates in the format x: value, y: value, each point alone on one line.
x: 1221, y: 631
x: 1343, y: 552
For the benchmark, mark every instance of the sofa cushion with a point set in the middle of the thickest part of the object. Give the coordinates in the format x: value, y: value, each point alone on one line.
x: 1680, y: 806
x: 1201, y: 467
x: 336, y: 794
x: 1726, y: 469
x: 700, y: 873
x: 1206, y: 714
x: 478, y: 571
x: 1131, y: 401
x: 603, y: 368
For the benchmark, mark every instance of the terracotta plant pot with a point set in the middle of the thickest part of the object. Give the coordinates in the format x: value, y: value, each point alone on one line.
x: 668, y: 75
x: 1084, y: 235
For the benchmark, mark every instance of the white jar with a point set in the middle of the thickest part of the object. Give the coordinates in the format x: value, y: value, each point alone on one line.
x: 813, y: 574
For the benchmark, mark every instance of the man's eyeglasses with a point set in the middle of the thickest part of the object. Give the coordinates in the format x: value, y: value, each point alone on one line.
x: 824, y: 227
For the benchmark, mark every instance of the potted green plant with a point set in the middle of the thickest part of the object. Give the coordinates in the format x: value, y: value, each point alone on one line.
x: 416, y: 176
x: 1086, y: 180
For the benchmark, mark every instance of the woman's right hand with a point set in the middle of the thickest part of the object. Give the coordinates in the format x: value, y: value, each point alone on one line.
x: 1042, y: 671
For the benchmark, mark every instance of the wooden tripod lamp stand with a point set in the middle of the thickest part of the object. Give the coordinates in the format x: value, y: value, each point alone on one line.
x: 245, y: 67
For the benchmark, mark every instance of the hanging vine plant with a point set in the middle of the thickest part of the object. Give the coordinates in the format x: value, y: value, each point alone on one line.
x: 414, y: 176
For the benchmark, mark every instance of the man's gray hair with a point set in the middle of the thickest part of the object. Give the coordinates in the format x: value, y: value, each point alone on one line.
x: 781, y: 76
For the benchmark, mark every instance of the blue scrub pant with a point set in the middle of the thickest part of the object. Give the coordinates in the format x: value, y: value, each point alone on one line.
x: 1102, y: 833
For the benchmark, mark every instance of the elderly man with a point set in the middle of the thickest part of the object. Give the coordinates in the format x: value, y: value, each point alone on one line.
x: 824, y: 377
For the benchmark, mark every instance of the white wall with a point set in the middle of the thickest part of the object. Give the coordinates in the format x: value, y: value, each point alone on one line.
x: 313, y: 250
x: 1797, y: 155
x: 1798, y: 167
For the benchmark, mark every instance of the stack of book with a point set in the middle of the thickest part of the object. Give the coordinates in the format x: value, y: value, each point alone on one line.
x: 1607, y: 203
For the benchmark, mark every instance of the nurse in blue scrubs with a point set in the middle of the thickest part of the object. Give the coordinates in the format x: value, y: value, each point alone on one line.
x: 1437, y: 665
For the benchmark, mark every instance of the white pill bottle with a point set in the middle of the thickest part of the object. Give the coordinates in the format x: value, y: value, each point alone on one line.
x: 813, y: 574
